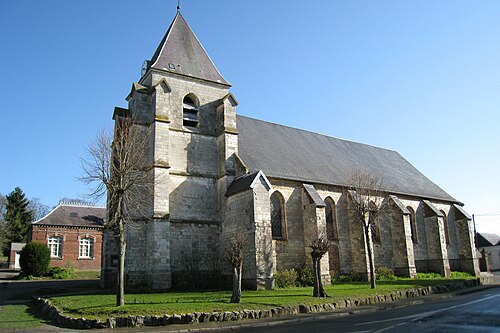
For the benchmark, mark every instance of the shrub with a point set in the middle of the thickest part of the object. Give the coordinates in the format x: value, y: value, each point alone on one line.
x: 60, y: 273
x: 460, y: 275
x: 286, y: 278
x: 34, y: 259
x: 385, y: 273
x: 305, y: 276
x: 353, y: 277
x: 427, y: 276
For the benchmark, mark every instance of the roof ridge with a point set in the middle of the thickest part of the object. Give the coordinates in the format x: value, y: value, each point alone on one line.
x: 80, y: 204
x: 321, y: 134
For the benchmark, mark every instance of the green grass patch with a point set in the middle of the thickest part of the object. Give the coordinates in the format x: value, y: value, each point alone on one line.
x: 58, y: 273
x: 102, y: 306
x: 18, y: 317
x: 85, y: 275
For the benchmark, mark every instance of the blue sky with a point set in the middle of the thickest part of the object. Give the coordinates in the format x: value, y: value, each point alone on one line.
x: 419, y: 77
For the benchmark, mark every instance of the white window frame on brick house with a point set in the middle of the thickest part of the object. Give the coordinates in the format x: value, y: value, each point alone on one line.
x: 86, y: 248
x: 55, y: 244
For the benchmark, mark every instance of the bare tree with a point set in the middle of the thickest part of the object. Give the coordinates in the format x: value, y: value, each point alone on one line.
x: 319, y: 247
x: 3, y: 206
x: 39, y: 209
x: 234, y: 253
x: 118, y: 165
x: 367, y: 194
x: 4, y: 249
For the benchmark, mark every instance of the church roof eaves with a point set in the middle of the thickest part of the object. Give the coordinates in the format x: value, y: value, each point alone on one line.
x: 181, y: 52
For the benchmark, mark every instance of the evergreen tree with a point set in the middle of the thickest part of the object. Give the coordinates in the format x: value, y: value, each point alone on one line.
x: 17, y: 216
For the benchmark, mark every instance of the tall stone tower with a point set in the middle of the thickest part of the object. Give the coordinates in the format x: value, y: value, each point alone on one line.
x: 186, y: 102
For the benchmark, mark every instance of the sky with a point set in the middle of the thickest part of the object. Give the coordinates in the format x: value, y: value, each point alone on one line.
x: 418, y: 77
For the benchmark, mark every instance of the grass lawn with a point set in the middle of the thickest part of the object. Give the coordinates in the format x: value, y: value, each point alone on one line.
x: 18, y: 317
x: 85, y: 275
x: 102, y: 306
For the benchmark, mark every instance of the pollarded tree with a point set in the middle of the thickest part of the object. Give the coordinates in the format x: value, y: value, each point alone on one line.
x: 234, y: 253
x: 367, y: 195
x: 118, y: 166
x: 17, y: 216
x: 319, y: 247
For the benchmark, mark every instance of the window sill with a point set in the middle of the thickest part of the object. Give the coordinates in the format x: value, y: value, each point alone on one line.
x: 86, y: 258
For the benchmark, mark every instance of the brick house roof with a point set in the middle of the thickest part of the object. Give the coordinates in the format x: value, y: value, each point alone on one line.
x: 74, y: 215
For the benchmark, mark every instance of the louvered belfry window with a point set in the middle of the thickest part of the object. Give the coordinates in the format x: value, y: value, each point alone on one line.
x: 189, y: 112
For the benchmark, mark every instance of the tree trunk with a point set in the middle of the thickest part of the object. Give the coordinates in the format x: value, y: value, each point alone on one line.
x: 321, y: 290
x: 120, y: 287
x: 316, y: 278
x: 236, y: 296
x: 318, y: 291
x: 371, y: 261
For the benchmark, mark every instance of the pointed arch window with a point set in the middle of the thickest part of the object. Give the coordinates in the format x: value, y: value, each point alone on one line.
x: 413, y: 225
x: 189, y: 111
x: 277, y: 216
x: 332, y: 230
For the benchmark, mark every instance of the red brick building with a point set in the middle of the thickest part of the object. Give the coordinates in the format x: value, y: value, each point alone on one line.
x: 73, y: 233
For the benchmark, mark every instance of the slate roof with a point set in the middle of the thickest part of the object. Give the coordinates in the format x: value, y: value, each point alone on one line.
x: 484, y: 240
x: 246, y: 182
x: 290, y: 153
x: 181, y: 52
x: 74, y: 215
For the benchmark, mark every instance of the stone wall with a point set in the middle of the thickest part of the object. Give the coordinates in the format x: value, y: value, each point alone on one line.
x: 290, y: 252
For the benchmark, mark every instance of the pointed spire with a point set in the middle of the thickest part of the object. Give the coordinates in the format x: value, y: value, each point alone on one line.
x: 181, y: 52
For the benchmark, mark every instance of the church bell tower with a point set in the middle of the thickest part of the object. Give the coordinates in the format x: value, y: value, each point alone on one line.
x: 186, y: 103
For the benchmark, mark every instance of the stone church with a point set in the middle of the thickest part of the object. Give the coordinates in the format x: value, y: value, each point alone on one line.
x: 219, y: 174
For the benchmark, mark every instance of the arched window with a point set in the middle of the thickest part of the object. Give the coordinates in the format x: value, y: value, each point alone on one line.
x: 374, y: 222
x: 55, y: 245
x: 445, y: 224
x: 189, y: 111
x: 277, y: 216
x: 413, y: 225
x: 332, y: 230
x: 86, y: 248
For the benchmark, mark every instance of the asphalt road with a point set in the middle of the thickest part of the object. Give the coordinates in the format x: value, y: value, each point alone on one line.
x: 20, y: 291
x: 468, y: 313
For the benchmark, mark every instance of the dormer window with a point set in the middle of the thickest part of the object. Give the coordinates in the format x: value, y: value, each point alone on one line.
x: 189, y: 112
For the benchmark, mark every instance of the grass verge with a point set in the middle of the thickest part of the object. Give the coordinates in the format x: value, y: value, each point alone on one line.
x: 102, y: 306
x: 18, y: 317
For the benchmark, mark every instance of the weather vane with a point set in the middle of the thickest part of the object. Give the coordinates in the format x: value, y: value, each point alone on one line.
x: 178, y: 5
